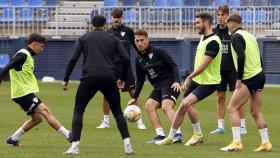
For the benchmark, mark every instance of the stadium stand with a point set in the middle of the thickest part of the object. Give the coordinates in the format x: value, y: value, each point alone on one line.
x: 234, y: 3
x: 261, y: 2
x: 129, y: 2
x: 17, y: 3
x: 190, y: 3
x: 35, y: 3
x: 219, y: 2
x: 205, y: 3
x: 111, y: 3
x: 52, y: 2
x: 4, y: 3
x: 175, y: 3
x: 160, y: 3
x: 274, y: 3
x: 130, y: 16
x: 247, y: 3
x: 146, y: 3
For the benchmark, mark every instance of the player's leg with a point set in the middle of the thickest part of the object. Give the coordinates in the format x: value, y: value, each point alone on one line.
x: 243, y: 129
x: 221, y: 97
x: 106, y: 117
x: 238, y: 99
x: 29, y: 124
x: 111, y: 92
x: 220, y: 103
x: 86, y: 90
x: 140, y: 124
x: 151, y: 107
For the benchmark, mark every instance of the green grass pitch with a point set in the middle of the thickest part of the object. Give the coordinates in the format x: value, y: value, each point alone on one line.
x: 44, y: 142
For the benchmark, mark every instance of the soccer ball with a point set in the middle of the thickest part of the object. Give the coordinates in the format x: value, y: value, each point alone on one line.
x: 132, y: 113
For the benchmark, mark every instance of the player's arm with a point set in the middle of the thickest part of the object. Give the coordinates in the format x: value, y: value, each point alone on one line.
x: 76, y: 54
x: 239, y: 45
x: 122, y: 53
x: 212, y: 50
x: 15, y: 63
x: 140, y: 79
x: 167, y: 60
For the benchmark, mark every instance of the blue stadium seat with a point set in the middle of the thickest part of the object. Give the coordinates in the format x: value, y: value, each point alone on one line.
x: 161, y: 3
x: 110, y: 3
x: 247, y: 3
x: 205, y: 3
x: 25, y: 14
x: 190, y: 3
x: 17, y: 2
x: 175, y: 3
x: 52, y: 2
x: 261, y: 16
x: 7, y: 15
x: 130, y: 16
x: 129, y: 2
x: 4, y: 60
x: 274, y: 2
x: 220, y: 2
x: 4, y: 3
x: 247, y: 16
x: 261, y: 2
x: 35, y: 3
x: 234, y: 3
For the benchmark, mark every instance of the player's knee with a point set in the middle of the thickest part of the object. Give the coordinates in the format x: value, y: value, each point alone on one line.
x: 149, y: 108
x: 254, y: 113
x: 221, y: 99
x: 45, y: 111
x: 182, y: 109
x: 167, y: 109
x: 186, y: 105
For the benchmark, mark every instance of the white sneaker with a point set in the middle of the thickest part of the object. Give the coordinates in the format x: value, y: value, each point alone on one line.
x: 141, y: 126
x: 103, y: 125
x: 128, y: 149
x: 73, y: 151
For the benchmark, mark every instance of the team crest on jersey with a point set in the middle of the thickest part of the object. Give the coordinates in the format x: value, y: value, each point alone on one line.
x: 122, y: 33
x: 151, y: 55
x: 35, y: 99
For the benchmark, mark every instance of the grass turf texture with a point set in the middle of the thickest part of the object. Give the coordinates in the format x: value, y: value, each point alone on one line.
x: 44, y: 142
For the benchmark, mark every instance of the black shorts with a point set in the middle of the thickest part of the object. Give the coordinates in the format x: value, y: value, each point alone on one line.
x: 164, y: 92
x: 255, y: 83
x: 228, y: 78
x: 200, y: 91
x: 130, y: 82
x: 28, y: 103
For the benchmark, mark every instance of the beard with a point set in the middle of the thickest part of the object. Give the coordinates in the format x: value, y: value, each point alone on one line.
x: 202, y: 30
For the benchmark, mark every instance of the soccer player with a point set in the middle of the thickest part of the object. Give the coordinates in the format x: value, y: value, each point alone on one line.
x: 24, y: 85
x: 202, y: 82
x: 249, y: 84
x: 99, y: 49
x: 163, y: 74
x: 228, y: 72
x: 126, y: 35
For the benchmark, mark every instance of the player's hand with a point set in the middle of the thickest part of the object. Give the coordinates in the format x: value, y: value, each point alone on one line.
x: 176, y: 86
x: 65, y: 85
x: 120, y: 84
x: 238, y: 84
x: 131, y: 101
x: 186, y: 85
